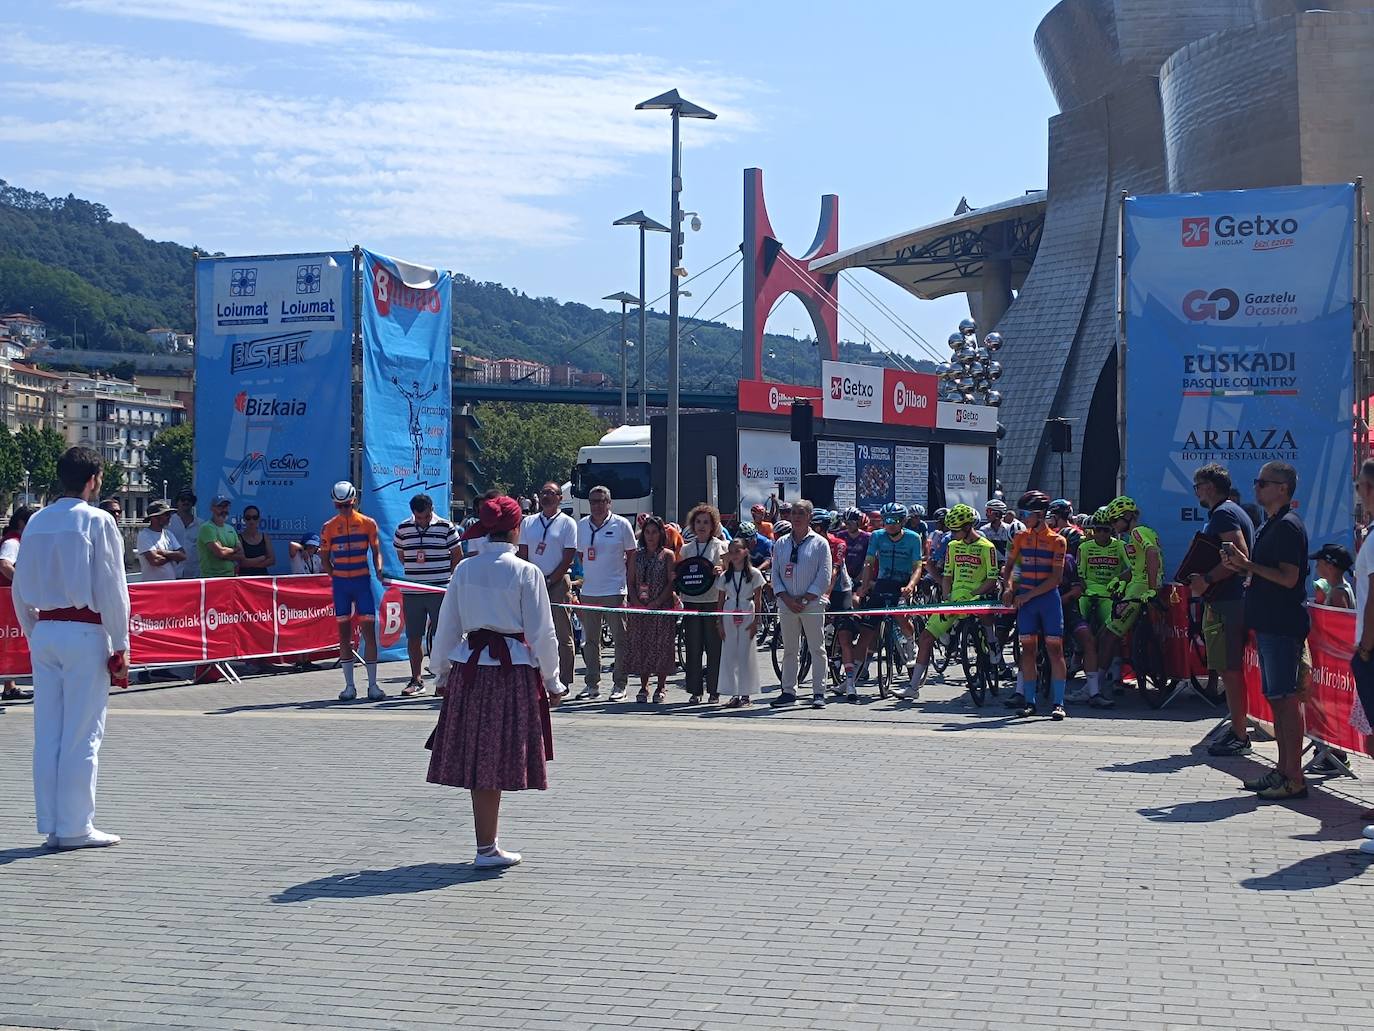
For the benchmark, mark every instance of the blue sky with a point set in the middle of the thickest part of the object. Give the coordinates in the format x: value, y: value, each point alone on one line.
x: 499, y: 137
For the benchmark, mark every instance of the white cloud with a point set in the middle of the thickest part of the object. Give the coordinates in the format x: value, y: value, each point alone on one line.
x: 392, y: 140
x: 273, y: 21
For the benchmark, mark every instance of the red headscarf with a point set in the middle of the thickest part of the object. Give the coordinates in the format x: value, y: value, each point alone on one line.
x: 496, y: 516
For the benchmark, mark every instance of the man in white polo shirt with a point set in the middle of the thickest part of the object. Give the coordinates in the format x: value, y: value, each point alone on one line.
x: 549, y: 540
x: 428, y: 549
x: 607, y: 544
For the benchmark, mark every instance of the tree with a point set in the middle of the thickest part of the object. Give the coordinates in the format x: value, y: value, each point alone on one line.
x: 525, y: 445
x: 11, y: 467
x: 169, y: 457
x: 39, y: 451
x: 113, y: 480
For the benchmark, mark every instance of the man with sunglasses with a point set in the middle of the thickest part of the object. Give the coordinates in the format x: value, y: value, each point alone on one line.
x: 549, y: 540
x: 1034, y: 570
x: 1276, y: 610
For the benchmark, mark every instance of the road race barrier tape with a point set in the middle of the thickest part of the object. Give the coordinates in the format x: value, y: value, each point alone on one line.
x: 954, y: 609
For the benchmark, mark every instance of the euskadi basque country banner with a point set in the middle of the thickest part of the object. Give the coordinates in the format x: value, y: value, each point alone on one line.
x: 198, y: 621
x: 1238, y: 322
x: 407, y: 392
x: 273, y: 409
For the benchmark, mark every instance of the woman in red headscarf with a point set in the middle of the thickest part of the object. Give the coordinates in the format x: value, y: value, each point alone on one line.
x: 496, y: 650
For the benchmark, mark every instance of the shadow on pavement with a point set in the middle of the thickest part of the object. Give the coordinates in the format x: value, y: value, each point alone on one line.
x: 1163, y: 764
x: 14, y: 855
x: 1209, y: 810
x: 401, y: 880
x: 1324, y: 871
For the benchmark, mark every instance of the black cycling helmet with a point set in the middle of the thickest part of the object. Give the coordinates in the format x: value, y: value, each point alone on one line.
x: 1061, y: 507
x: 853, y: 515
x: 1033, y: 501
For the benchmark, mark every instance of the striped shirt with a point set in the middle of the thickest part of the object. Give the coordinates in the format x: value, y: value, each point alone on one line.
x: 346, y: 539
x: 426, y: 550
x: 1035, y: 554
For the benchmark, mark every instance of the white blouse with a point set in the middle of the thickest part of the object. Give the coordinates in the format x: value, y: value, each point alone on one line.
x: 496, y: 590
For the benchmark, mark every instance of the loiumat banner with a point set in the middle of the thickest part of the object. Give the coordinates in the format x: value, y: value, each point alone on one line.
x: 272, y: 410
x: 1238, y: 311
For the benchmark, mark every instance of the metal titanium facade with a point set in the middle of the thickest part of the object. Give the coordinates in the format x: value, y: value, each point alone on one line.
x: 1156, y: 96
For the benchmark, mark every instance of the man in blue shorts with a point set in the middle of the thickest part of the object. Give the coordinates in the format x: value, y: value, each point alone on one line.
x: 1034, y: 570
x: 891, y: 572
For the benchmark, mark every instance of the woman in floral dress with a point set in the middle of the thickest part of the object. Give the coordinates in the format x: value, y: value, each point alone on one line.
x: 649, y: 650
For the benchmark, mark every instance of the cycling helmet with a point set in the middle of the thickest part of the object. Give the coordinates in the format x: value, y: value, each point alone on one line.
x: 781, y: 528
x: 470, y: 522
x: 344, y: 492
x: 1061, y: 507
x: 1101, y: 520
x: 746, y: 531
x: 919, y: 511
x: 1034, y: 501
x: 941, y: 515
x: 1121, y: 507
x: 756, y: 508
x: 853, y: 515
x: 960, y: 516
x: 820, y: 519
x: 996, y: 505
x: 893, y: 513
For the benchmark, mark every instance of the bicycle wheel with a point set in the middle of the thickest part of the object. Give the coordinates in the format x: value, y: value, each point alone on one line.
x: 803, y: 658
x: 973, y: 656
x: 882, y: 661
x: 939, y: 656
x: 1147, y: 659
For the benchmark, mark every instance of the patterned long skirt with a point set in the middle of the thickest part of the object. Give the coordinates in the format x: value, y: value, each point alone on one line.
x: 492, y: 732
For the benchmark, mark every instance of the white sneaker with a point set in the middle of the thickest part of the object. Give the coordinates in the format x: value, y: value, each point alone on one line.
x: 348, y: 694
x: 900, y: 692
x: 913, y: 690
x: 496, y: 859
x: 1367, y: 847
x: 93, y: 839
x: 375, y: 694
x: 1368, y: 832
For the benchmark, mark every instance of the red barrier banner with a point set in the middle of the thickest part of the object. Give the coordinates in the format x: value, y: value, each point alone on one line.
x: 181, y: 622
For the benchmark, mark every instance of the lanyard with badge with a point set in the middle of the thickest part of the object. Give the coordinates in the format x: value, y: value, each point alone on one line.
x: 591, y: 544
x: 543, y: 541
x: 791, y: 562
x: 737, y: 586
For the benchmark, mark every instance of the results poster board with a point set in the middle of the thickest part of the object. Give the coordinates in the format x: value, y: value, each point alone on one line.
x: 871, y: 473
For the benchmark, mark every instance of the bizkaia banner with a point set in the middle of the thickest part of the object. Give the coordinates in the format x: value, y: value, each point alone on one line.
x: 184, y: 622
x: 756, y: 395
x: 273, y: 410
x: 966, y: 475
x: 766, y: 460
x: 1238, y: 349
x: 909, y: 398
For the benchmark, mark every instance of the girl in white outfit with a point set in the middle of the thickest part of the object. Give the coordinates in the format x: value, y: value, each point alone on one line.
x: 738, y: 589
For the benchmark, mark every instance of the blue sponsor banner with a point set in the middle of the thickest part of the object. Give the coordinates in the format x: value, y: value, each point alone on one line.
x: 273, y: 408
x: 1238, y: 311
x: 407, y: 396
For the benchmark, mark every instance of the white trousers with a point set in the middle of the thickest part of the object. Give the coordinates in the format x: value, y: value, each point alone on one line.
x: 71, y: 686
x: 739, y: 668
x: 811, y: 621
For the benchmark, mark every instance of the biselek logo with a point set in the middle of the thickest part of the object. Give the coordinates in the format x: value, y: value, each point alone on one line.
x: 268, y: 352
x: 1267, y: 234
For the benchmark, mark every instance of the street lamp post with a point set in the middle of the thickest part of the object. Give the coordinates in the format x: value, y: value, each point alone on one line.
x: 625, y: 301
x: 646, y: 225
x: 680, y: 109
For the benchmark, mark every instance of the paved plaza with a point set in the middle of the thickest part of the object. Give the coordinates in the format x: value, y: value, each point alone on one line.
x: 886, y: 864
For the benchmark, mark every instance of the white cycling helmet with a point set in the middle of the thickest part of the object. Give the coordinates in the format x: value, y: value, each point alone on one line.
x: 344, y: 492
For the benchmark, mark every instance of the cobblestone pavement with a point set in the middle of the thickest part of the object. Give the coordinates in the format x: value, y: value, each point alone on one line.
x: 873, y: 865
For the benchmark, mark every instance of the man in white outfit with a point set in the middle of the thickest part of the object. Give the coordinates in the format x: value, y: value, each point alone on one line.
x: 73, y: 604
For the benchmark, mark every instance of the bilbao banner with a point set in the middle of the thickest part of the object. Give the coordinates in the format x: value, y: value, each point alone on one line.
x: 1238, y: 320
x: 756, y: 395
x: 273, y: 409
x: 407, y: 394
x: 767, y: 459
x: 909, y: 398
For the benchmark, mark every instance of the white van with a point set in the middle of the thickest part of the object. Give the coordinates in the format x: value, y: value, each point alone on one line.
x: 620, y: 463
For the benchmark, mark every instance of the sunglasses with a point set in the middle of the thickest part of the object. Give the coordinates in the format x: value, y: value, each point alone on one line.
x: 1268, y: 483
x: 252, y: 519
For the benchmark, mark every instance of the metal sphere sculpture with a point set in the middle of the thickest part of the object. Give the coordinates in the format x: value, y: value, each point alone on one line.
x: 969, y: 375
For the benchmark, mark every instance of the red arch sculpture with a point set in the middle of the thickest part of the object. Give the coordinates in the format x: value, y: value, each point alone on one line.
x: 767, y: 276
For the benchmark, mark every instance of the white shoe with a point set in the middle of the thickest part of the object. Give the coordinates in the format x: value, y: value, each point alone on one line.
x: 913, y: 690
x: 51, y: 843
x: 93, y: 839
x: 376, y: 694
x: 900, y: 692
x: 1368, y: 832
x: 348, y: 694
x: 1367, y: 847
x: 496, y: 859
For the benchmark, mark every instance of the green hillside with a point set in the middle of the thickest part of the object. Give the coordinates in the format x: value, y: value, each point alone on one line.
x: 101, y: 284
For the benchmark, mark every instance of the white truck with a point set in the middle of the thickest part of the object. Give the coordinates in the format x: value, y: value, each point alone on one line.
x: 621, y: 463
